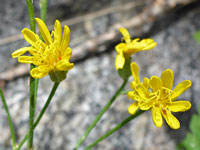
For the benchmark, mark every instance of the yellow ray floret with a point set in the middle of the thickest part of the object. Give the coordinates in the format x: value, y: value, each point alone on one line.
x: 51, y: 56
x: 159, y: 97
x: 137, y: 94
x: 129, y: 47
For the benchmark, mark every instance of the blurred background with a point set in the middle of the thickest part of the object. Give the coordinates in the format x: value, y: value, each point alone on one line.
x: 94, y: 26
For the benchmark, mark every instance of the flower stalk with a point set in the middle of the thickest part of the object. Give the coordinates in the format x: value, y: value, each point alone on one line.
x: 117, y: 127
x: 52, y: 93
x: 43, y: 12
x: 106, y: 107
x: 10, y: 123
x: 33, y: 83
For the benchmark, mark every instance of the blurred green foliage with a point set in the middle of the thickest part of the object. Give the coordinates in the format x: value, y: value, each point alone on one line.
x: 192, y: 139
x: 197, y: 36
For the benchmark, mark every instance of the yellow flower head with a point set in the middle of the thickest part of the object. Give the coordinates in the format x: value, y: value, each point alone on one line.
x: 51, y: 56
x: 161, y: 98
x: 125, y: 50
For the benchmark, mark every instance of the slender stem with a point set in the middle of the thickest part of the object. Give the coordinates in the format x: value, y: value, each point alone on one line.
x: 31, y: 15
x: 43, y: 12
x: 117, y: 127
x: 35, y: 92
x: 125, y: 92
x: 53, y: 90
x: 32, y: 107
x: 9, y: 120
x: 22, y: 142
x: 86, y: 133
x: 32, y: 80
x: 55, y: 86
x: 32, y: 103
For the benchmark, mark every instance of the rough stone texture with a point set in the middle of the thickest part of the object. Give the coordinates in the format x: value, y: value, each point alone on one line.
x: 93, y: 81
x: 82, y: 27
x: 94, y: 24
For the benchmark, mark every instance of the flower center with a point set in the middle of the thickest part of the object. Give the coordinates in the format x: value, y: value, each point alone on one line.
x: 161, y: 97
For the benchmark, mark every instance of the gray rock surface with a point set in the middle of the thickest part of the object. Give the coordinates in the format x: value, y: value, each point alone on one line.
x: 94, y: 24
x: 90, y: 85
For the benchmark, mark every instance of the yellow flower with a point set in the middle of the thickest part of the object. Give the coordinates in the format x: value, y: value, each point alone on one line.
x: 125, y: 50
x: 135, y: 95
x: 51, y: 56
x: 161, y: 98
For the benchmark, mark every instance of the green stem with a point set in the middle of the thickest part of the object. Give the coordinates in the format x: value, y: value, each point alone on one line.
x: 32, y: 103
x: 43, y: 12
x: 86, y: 133
x: 125, y: 92
x: 117, y: 127
x: 32, y: 80
x: 55, y: 86
x: 31, y: 15
x: 32, y: 107
x: 9, y: 120
x: 22, y: 142
x: 35, y: 92
x: 53, y: 90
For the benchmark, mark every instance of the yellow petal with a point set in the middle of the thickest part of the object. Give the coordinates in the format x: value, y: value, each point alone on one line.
x: 36, y: 73
x: 146, y: 105
x: 57, y: 32
x: 34, y: 51
x: 146, y: 83
x: 157, y: 117
x: 155, y: 83
x: 135, y: 72
x: 126, y: 35
x: 44, y: 68
x: 134, y: 96
x: 119, y: 62
x: 133, y: 85
x: 67, y: 54
x: 170, y: 119
x: 136, y: 40
x: 26, y: 59
x: 44, y: 31
x: 133, y: 108
x: 65, y: 38
x: 136, y: 45
x: 180, y: 88
x: 142, y: 91
x: 179, y: 106
x: 64, y: 65
x: 132, y: 48
x: 167, y: 78
x: 149, y: 44
x: 131, y: 95
x: 20, y: 52
x: 36, y: 60
x: 31, y: 37
x: 120, y: 48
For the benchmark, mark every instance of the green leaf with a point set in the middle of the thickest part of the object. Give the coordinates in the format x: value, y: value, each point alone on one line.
x: 197, y: 36
x: 192, y: 139
x: 195, y: 126
x: 199, y: 111
x: 191, y: 142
